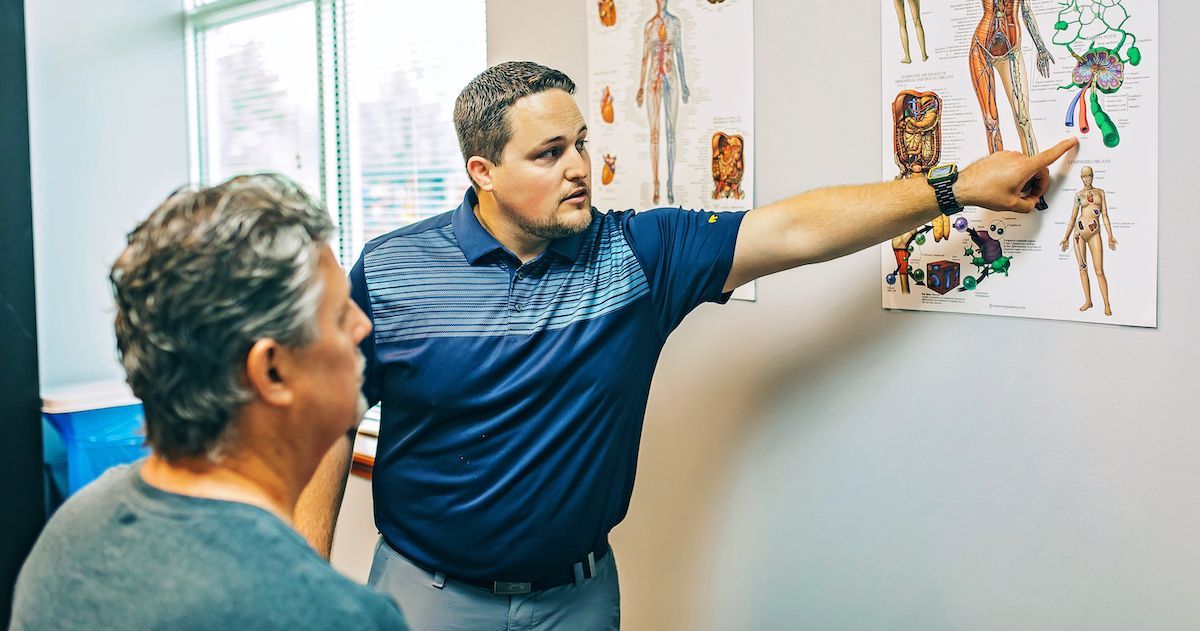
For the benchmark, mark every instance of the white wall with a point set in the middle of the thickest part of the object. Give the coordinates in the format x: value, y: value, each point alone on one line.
x: 812, y: 462
x: 549, y: 32
x: 108, y: 137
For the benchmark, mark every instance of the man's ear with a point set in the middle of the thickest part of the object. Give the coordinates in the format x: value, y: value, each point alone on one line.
x: 480, y: 170
x: 267, y: 373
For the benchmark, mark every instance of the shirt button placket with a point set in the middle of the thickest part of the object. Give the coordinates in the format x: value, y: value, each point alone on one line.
x: 511, y: 301
x: 514, y: 295
x: 518, y: 292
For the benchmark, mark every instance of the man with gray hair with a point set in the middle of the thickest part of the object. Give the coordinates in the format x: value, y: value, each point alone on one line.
x: 236, y: 330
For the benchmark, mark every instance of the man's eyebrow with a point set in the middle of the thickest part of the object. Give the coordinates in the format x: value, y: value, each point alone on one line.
x: 559, y: 138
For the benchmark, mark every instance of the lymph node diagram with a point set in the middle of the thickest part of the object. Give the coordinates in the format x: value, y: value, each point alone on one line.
x: 984, y: 251
x: 1093, y: 32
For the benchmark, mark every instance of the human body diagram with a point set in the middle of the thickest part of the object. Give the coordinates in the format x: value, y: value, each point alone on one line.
x: 1033, y: 72
x: 662, y: 84
x: 914, y: 7
x: 1090, y: 207
x: 996, y: 50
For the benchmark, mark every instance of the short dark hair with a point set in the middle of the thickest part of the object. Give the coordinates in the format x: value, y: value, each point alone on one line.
x: 481, y: 110
x: 205, y: 276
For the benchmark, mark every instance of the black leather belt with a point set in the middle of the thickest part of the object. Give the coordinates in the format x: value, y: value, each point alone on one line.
x: 582, y: 570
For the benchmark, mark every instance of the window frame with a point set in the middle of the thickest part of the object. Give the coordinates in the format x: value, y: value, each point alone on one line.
x: 336, y: 150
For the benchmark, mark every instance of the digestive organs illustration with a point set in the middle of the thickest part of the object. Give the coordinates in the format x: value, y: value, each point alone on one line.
x: 606, y: 106
x: 1100, y: 68
x: 728, y: 165
x: 917, y: 132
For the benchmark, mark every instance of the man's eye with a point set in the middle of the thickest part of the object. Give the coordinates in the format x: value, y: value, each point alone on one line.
x: 551, y: 153
x: 581, y: 145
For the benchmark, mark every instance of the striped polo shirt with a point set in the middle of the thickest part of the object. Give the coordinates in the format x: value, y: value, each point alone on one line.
x: 513, y: 394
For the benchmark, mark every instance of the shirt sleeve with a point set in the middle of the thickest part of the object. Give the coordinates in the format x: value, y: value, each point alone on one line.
x: 362, y: 297
x: 686, y: 256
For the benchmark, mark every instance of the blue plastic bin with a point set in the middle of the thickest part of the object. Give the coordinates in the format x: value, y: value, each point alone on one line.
x: 101, y: 424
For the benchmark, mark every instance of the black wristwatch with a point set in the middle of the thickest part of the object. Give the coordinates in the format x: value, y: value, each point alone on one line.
x: 942, y: 178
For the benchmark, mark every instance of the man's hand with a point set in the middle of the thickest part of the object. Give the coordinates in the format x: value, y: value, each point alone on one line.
x: 1009, y: 181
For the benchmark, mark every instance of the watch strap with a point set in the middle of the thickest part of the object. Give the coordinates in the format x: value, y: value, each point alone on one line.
x: 944, y: 191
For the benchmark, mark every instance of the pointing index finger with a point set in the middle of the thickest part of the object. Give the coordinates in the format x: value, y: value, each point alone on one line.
x: 1051, y: 155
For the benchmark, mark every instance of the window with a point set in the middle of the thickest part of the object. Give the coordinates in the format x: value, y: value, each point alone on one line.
x: 260, y: 98
x: 351, y: 98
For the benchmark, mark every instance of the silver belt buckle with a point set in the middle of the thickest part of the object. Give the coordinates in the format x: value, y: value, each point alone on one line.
x: 506, y: 588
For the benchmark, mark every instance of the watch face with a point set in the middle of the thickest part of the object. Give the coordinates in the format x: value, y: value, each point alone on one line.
x: 941, y: 172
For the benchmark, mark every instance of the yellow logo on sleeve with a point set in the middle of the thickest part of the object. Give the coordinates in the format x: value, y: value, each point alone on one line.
x: 712, y: 219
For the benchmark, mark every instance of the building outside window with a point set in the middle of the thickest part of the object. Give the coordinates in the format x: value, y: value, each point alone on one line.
x: 353, y: 99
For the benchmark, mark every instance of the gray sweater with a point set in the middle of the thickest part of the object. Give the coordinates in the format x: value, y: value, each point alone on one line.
x: 122, y: 554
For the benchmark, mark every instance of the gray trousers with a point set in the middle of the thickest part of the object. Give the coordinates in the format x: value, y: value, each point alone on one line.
x: 593, y: 605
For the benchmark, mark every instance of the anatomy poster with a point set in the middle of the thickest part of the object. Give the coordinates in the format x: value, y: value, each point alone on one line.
x: 671, y: 105
x: 965, y: 78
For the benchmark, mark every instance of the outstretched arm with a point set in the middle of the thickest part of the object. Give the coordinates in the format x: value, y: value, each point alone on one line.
x: 827, y: 223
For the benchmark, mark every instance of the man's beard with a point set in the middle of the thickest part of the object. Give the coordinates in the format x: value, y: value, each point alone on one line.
x: 360, y: 406
x: 551, y: 228
x: 360, y: 410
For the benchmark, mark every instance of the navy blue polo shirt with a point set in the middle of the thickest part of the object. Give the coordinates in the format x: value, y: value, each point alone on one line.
x: 513, y: 395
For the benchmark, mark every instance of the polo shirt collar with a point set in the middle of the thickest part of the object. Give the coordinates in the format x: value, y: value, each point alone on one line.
x: 476, y: 242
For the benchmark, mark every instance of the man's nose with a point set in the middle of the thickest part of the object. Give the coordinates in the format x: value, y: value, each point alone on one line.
x: 579, y: 166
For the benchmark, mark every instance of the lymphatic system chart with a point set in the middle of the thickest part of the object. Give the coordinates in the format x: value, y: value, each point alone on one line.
x: 1084, y: 27
x: 671, y: 99
x: 1094, y: 76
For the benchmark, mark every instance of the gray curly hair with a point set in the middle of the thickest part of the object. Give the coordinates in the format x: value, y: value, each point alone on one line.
x: 206, y: 275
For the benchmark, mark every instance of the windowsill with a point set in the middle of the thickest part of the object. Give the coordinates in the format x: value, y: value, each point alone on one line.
x: 364, y: 462
x: 364, y: 445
